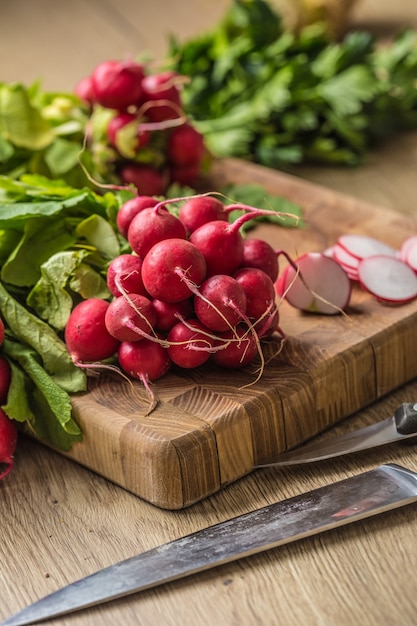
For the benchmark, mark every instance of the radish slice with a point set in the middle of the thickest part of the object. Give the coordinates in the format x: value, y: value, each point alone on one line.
x: 326, y: 287
x: 406, y: 246
x: 412, y: 257
x: 388, y: 278
x: 362, y: 246
x: 408, y: 252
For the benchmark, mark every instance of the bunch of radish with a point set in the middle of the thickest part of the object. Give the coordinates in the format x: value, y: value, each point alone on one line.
x: 387, y: 273
x: 150, y: 143
x: 191, y: 289
x: 8, y: 430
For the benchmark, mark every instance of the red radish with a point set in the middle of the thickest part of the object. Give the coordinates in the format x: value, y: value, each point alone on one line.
x: 260, y: 254
x: 130, y: 208
x: 130, y: 317
x: 124, y: 275
x: 84, y: 90
x: 162, y: 90
x: 220, y: 303
x: 1, y: 331
x: 171, y: 267
x: 190, y: 342
x: 236, y: 353
x: 389, y: 279
x: 221, y: 242
x: 145, y: 361
x: 118, y: 84
x: 86, y: 335
x: 185, y: 145
x: 170, y: 313
x: 147, y: 180
x: 321, y: 286
x: 140, y: 136
x: 259, y: 290
x: 361, y: 246
x: 151, y: 226
x: 200, y: 210
x: 185, y: 174
x: 5, y: 379
x: 8, y: 442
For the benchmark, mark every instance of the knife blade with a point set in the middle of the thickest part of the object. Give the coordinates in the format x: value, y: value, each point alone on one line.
x: 402, y: 425
x: 376, y: 491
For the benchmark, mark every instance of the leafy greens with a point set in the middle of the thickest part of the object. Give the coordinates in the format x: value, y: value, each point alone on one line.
x: 261, y: 92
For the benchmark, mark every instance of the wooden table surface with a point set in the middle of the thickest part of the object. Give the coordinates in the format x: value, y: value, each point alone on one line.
x: 60, y: 522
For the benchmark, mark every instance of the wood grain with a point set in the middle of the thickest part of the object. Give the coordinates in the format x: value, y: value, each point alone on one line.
x: 212, y: 426
x: 60, y: 521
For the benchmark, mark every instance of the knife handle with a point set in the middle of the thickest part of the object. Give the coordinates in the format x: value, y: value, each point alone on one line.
x: 406, y: 418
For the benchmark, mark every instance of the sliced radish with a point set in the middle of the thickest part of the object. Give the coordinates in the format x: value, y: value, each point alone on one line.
x: 348, y: 262
x: 362, y: 246
x: 406, y: 246
x: 412, y: 258
x: 408, y: 252
x: 344, y: 258
x: 323, y: 288
x: 388, y: 278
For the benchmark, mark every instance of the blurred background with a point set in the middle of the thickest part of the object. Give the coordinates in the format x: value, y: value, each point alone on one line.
x: 58, y: 41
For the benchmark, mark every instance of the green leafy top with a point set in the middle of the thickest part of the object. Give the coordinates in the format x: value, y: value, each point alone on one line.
x: 261, y: 92
x: 55, y: 245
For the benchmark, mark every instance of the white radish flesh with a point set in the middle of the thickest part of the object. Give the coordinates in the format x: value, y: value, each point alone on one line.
x: 408, y: 252
x: 388, y: 278
x: 362, y: 246
x: 323, y: 288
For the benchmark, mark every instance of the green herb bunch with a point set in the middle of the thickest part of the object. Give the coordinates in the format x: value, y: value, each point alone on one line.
x: 261, y: 92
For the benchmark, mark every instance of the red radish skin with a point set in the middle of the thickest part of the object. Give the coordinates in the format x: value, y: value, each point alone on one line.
x: 185, y: 145
x: 321, y: 287
x: 171, y: 267
x: 8, y: 443
x: 130, y: 318
x: 389, y: 279
x: 145, y: 361
x: 185, y: 175
x: 162, y: 90
x: 260, y: 254
x: 152, y: 226
x: 5, y: 379
x: 191, y: 344
x: 220, y: 303
x: 84, y: 90
x: 86, y: 335
x: 236, y: 354
x: 117, y: 84
x: 221, y: 243
x: 118, y: 122
x: 147, y: 180
x: 259, y: 290
x: 130, y: 209
x: 124, y: 275
x: 170, y: 313
x: 200, y: 210
x: 2, y: 330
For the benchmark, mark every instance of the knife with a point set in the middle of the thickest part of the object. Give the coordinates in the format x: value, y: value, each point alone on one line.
x: 402, y: 425
x: 376, y: 491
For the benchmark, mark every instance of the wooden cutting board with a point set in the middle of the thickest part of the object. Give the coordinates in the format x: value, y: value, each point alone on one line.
x: 211, y: 425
